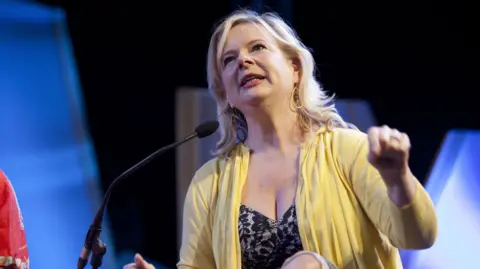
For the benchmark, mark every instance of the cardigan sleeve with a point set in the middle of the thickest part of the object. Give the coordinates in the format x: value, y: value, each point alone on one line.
x: 413, y: 226
x: 196, y: 248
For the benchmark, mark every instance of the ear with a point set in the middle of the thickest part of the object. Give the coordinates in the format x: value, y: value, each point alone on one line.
x: 229, y: 104
x: 225, y: 98
x: 296, y: 70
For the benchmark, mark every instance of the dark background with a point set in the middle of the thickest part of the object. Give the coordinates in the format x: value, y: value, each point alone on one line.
x: 416, y: 62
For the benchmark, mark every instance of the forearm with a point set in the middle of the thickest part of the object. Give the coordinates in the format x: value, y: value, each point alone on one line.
x: 414, y: 221
x: 403, y: 191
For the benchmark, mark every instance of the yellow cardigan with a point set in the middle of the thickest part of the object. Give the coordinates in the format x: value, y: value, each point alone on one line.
x: 343, y: 209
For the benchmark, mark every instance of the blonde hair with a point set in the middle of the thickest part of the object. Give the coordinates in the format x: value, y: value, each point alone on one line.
x: 316, y: 107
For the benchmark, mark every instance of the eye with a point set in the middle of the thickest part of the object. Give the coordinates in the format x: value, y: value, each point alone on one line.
x: 258, y: 47
x: 227, y: 60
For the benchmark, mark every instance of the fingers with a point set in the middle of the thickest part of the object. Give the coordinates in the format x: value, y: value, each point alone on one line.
x: 374, y: 140
x: 384, y: 140
x: 390, y: 138
x: 130, y: 266
x: 405, y: 141
x: 139, y: 263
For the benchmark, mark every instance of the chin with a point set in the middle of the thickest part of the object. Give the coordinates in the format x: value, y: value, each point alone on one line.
x: 256, y: 95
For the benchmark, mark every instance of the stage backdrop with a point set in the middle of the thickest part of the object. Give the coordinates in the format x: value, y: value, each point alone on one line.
x: 44, y: 147
x: 454, y: 185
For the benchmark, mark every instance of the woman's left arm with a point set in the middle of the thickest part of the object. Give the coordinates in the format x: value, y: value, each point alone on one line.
x: 390, y: 194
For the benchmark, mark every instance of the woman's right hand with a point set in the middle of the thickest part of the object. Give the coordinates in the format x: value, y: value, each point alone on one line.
x: 139, y: 263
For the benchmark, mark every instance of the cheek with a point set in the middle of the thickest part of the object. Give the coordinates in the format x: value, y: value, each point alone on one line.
x: 228, y: 74
x: 229, y: 82
x: 275, y: 65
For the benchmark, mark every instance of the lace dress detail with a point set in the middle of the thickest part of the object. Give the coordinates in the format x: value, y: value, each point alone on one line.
x: 267, y: 243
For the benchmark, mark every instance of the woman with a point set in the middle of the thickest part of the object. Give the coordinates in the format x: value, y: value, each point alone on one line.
x: 292, y: 184
x: 13, y: 245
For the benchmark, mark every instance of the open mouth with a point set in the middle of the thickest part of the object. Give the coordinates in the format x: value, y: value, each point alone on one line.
x: 251, y: 80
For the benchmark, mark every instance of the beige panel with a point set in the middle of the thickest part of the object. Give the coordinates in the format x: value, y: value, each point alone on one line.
x: 186, y: 118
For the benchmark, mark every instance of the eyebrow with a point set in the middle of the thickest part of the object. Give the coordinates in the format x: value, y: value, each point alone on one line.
x: 248, y: 44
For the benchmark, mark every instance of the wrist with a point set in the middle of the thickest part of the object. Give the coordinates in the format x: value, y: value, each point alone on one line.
x: 395, y: 178
x: 401, y: 186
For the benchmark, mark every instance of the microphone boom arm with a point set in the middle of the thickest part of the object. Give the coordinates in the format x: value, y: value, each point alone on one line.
x: 93, y: 244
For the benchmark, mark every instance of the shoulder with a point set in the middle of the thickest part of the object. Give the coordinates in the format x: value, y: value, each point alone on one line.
x: 6, y: 188
x: 345, y: 141
x: 3, y: 177
x: 205, y: 180
x: 213, y: 168
x: 345, y: 145
x: 4, y: 183
x: 209, y: 170
x: 206, y: 174
x: 346, y: 148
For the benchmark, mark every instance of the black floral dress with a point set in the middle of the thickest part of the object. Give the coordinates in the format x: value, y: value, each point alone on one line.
x: 267, y: 243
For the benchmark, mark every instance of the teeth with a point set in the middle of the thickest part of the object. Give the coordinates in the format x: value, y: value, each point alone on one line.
x: 251, y: 79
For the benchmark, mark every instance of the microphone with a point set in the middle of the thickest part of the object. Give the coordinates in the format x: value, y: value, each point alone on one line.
x: 93, y: 245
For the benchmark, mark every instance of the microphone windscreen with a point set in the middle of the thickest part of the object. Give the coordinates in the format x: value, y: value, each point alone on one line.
x: 207, y: 128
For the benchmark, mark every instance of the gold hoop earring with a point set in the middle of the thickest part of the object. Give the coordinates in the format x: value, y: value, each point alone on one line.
x: 295, y: 98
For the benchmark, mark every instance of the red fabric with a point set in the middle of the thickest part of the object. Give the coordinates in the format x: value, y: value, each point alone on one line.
x: 13, y: 243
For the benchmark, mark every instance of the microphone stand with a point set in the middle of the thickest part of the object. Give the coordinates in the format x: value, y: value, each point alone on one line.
x: 93, y: 244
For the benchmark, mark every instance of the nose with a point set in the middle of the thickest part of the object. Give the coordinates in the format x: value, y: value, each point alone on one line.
x: 244, y: 61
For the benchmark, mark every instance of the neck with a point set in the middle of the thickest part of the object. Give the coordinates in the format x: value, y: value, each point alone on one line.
x: 273, y: 130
